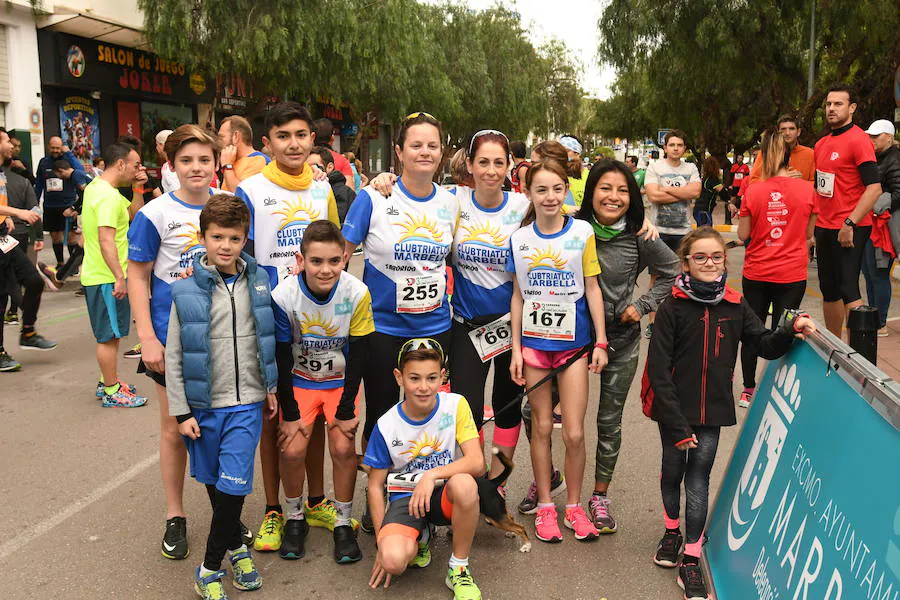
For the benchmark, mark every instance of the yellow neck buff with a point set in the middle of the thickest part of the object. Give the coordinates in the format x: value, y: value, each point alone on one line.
x: 289, y: 182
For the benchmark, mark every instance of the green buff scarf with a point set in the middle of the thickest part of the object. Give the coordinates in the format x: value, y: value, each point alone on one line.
x: 607, y: 232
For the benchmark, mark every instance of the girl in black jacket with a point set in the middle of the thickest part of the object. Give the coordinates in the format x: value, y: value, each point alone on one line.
x: 688, y: 387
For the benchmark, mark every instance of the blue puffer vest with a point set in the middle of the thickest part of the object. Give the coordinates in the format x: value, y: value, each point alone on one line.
x: 193, y: 299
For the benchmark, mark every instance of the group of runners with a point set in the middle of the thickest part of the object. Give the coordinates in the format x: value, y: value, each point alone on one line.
x: 255, y: 334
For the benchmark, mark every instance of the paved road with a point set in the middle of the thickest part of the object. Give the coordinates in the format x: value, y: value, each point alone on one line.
x: 83, y: 509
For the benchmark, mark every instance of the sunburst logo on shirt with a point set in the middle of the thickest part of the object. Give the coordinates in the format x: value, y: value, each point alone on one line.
x: 191, y: 239
x: 484, y: 234
x: 420, y: 228
x: 546, y: 259
x: 318, y: 326
x: 426, y: 446
x: 299, y: 212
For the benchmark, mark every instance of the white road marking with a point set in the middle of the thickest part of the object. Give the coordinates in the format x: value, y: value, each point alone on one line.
x: 53, y: 521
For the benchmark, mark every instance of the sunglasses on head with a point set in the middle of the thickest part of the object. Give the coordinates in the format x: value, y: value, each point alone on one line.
x: 478, y: 134
x: 419, y: 344
x: 414, y: 115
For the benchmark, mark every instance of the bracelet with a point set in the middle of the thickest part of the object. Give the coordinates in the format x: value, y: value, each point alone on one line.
x: 601, y: 345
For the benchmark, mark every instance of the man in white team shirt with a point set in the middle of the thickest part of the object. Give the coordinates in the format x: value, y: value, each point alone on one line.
x: 163, y: 240
x: 284, y: 199
x: 671, y: 185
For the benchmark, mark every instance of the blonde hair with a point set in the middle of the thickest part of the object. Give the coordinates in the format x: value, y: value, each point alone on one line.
x: 774, y: 154
x: 187, y: 134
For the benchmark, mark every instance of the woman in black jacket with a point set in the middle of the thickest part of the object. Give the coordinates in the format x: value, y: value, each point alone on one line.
x: 688, y: 387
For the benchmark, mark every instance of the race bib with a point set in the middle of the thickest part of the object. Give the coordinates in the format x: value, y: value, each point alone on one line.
x: 738, y: 176
x: 549, y: 320
x: 7, y: 243
x: 405, y: 482
x: 825, y: 183
x: 675, y: 181
x: 54, y: 184
x: 420, y: 294
x: 492, y: 339
x: 319, y: 365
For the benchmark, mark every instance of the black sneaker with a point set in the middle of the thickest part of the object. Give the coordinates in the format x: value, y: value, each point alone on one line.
x: 8, y: 363
x: 294, y: 540
x: 346, y: 550
x: 175, y: 544
x: 246, y: 536
x: 668, y: 549
x: 134, y: 352
x: 36, y: 342
x: 690, y: 579
x: 366, y: 524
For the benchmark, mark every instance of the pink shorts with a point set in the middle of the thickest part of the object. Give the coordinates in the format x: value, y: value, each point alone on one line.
x: 546, y: 359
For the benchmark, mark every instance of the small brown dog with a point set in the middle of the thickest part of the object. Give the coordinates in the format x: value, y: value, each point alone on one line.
x: 492, y: 503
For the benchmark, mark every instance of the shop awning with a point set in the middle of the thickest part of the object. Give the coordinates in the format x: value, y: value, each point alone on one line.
x: 96, y: 28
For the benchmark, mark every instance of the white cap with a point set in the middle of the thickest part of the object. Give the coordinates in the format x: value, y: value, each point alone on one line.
x: 881, y: 126
x: 163, y: 135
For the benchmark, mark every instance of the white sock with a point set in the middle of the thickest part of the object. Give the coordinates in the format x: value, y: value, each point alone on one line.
x: 238, y: 550
x: 204, y: 571
x: 293, y: 508
x: 344, y: 510
x: 456, y: 563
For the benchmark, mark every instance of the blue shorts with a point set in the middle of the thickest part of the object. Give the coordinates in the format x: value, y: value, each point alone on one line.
x: 110, y: 317
x: 226, y: 449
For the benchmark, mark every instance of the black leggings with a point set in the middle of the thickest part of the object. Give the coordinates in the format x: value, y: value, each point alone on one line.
x: 759, y: 295
x: 382, y: 391
x: 225, y: 529
x: 21, y: 273
x: 693, y: 467
x: 468, y: 376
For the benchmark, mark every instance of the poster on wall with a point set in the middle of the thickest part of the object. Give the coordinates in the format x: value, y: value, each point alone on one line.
x: 79, y: 122
x: 129, y: 118
x: 156, y: 117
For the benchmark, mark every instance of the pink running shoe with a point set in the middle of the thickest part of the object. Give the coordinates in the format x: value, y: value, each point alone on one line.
x: 546, y: 527
x: 578, y: 521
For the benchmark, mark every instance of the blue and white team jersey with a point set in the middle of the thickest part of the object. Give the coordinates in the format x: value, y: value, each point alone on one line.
x: 319, y: 330
x: 165, y: 232
x: 278, y: 218
x: 550, y: 270
x: 402, y: 445
x: 406, y: 240
x: 481, y: 284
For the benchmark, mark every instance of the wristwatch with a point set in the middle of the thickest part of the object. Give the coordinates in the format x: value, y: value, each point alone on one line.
x: 849, y: 222
x: 228, y: 167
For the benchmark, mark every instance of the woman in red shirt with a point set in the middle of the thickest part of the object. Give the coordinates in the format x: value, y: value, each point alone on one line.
x: 777, y: 220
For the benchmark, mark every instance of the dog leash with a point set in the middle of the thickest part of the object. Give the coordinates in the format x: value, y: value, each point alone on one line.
x: 553, y: 373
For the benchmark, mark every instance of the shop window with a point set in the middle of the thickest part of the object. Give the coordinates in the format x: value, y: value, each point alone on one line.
x: 154, y: 118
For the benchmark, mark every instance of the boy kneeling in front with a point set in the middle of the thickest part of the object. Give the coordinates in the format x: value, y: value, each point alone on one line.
x: 426, y: 449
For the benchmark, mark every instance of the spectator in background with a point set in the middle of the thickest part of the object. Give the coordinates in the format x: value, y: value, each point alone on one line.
x: 711, y: 190
x: 575, y: 168
x: 739, y: 171
x: 878, y: 260
x: 168, y: 181
x: 99, y: 165
x: 324, y: 131
x: 459, y: 171
x: 520, y: 165
x: 19, y: 165
x: 323, y: 159
x: 632, y: 162
x: 359, y: 178
x: 239, y: 158
x: 58, y: 196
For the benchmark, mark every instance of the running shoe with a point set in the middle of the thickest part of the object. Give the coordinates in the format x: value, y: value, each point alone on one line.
x: 11, y: 319
x: 883, y: 332
x: 746, y: 399
x: 423, y: 555
x: 51, y: 283
x: 690, y: 579
x: 35, y: 341
x: 648, y: 333
x: 293, y: 542
x: 358, y: 251
x: 101, y: 392
x: 460, y: 581
x: 134, y: 352
x: 80, y: 291
x: 528, y: 505
x: 324, y: 515
x: 668, y: 549
x: 577, y: 520
x: 123, y: 398
x: 246, y: 536
x: 246, y: 577
x: 210, y: 587
x: 175, y: 544
x: 270, y: 531
x: 557, y: 420
x: 366, y: 524
x: 346, y: 549
x: 600, y: 514
x: 8, y: 363
x: 546, y: 527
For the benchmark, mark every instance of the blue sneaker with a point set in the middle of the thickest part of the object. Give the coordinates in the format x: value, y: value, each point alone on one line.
x: 246, y: 577
x: 101, y: 392
x: 123, y: 398
x: 210, y: 587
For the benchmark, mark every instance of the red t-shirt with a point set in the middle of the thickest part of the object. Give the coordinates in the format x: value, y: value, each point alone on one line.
x: 779, y: 210
x: 343, y: 165
x: 738, y: 173
x: 838, y: 183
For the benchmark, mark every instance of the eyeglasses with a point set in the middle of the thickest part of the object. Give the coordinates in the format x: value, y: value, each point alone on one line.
x: 419, y: 344
x: 485, y: 132
x: 701, y: 259
x: 418, y: 114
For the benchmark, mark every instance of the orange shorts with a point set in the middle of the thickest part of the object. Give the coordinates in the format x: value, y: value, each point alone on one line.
x: 313, y: 403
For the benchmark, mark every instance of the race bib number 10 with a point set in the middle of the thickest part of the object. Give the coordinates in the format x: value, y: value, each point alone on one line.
x: 549, y: 320
x: 420, y: 294
x: 825, y: 183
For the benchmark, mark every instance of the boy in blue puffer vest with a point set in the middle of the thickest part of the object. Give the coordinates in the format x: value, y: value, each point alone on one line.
x: 220, y: 368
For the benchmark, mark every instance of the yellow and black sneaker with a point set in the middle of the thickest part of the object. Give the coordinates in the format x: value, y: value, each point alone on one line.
x: 175, y: 544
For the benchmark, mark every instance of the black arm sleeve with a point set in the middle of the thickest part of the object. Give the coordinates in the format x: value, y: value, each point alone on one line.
x: 868, y: 172
x: 182, y: 418
x: 356, y: 360
x: 285, y: 361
